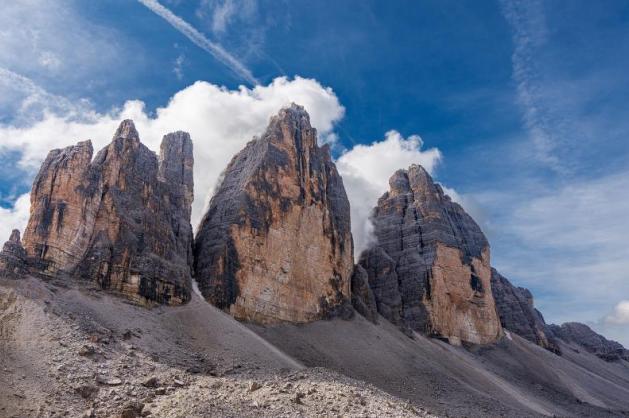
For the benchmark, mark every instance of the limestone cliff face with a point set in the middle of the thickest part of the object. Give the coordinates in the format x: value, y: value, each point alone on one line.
x: 13, y: 257
x: 518, y: 314
x: 430, y: 270
x: 122, y: 220
x: 575, y: 333
x: 275, y: 244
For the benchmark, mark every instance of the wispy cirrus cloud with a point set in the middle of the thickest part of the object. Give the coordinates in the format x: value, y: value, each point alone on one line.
x: 215, y: 49
x: 30, y: 101
x: 55, y: 43
x: 543, y: 122
x: 222, y: 13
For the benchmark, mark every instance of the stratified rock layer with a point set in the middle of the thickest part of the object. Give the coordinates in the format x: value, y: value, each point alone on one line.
x: 584, y: 336
x: 429, y: 269
x: 518, y: 314
x: 275, y: 244
x: 13, y: 257
x: 122, y: 220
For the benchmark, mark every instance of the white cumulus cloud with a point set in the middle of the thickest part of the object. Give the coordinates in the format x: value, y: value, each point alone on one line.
x: 366, y: 170
x: 220, y: 121
x: 620, y: 314
x: 15, y: 217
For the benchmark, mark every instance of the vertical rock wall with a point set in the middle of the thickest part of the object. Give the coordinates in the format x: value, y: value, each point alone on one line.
x: 122, y: 220
x: 430, y: 270
x: 275, y: 244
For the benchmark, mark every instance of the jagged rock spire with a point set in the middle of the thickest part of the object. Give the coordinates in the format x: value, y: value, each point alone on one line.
x: 275, y: 244
x: 429, y: 270
x: 126, y: 130
x: 15, y: 237
x: 121, y: 220
x: 13, y: 257
x: 517, y: 313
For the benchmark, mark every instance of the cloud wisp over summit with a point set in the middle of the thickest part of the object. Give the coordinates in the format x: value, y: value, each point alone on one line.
x: 215, y: 49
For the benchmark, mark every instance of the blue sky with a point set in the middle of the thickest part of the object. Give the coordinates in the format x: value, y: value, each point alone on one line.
x: 525, y: 101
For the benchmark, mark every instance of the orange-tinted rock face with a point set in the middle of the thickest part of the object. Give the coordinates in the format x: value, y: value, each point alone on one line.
x: 460, y: 305
x: 275, y: 244
x: 62, y: 220
x: 429, y: 270
x: 122, y: 220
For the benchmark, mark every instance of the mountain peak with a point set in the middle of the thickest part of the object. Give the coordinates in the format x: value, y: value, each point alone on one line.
x: 121, y: 220
x: 275, y: 243
x: 430, y: 268
x: 293, y: 111
x: 15, y: 236
x: 126, y: 130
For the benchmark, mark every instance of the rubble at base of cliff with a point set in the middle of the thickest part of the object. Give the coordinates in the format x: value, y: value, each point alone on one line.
x: 65, y: 361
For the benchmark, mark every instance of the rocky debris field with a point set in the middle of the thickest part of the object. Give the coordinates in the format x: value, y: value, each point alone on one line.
x: 58, y: 360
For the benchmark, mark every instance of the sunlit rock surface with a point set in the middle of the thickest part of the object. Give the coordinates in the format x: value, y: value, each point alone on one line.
x: 429, y: 269
x: 275, y: 243
x: 121, y: 220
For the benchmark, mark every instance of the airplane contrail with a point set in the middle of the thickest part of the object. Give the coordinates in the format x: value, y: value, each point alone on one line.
x: 201, y: 41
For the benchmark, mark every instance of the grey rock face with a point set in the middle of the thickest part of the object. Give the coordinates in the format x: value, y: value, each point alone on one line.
x: 584, y: 336
x: 13, y: 257
x: 363, y: 299
x: 275, y: 244
x: 518, y: 314
x: 122, y: 220
x: 383, y: 281
x: 429, y: 270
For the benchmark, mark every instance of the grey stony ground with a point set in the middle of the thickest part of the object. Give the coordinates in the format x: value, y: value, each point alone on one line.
x: 75, y: 352
x: 70, y: 353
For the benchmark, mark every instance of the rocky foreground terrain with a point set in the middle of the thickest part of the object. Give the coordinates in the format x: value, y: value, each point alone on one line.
x: 78, y: 353
x: 74, y: 351
x: 109, y: 307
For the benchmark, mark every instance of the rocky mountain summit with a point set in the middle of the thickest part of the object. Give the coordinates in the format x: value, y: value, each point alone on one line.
x: 275, y: 243
x: 578, y: 334
x: 429, y: 270
x: 121, y: 221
